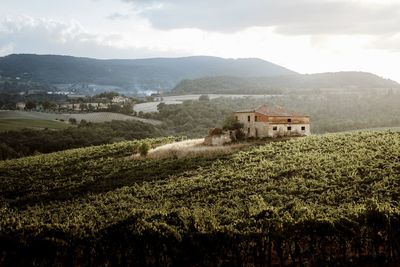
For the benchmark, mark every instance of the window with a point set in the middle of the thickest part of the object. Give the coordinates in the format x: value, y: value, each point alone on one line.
x: 289, y: 120
x: 255, y: 118
x: 274, y: 128
x: 236, y: 118
x: 303, y: 128
x: 289, y: 128
x: 248, y: 118
x: 248, y: 130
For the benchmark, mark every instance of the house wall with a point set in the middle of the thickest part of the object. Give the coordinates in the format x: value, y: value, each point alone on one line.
x: 261, y: 117
x: 217, y: 140
x: 293, y: 120
x: 282, y: 130
x: 20, y: 106
x: 261, y: 125
x: 248, y: 126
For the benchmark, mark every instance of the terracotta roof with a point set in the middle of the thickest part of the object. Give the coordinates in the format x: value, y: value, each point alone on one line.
x: 272, y: 111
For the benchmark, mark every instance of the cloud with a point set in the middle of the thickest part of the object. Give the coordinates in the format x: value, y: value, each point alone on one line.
x: 389, y: 43
x: 119, y: 16
x: 25, y: 34
x: 294, y: 17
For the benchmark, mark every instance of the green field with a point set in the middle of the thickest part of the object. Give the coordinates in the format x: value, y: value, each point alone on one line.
x: 17, y: 124
x: 329, y: 200
x: 96, y: 117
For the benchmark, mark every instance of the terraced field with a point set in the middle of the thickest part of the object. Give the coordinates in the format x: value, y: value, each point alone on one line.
x: 329, y: 200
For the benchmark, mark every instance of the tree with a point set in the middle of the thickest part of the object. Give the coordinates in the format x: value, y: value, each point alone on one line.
x: 30, y: 105
x: 109, y: 95
x: 83, y: 123
x: 232, y: 123
x: 83, y: 106
x: 91, y: 107
x: 204, y: 98
x: 149, y: 99
x: 47, y: 105
x: 160, y: 106
x: 127, y: 108
x: 72, y: 121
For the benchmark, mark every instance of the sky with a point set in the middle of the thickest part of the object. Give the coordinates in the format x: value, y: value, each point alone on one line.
x: 307, y: 36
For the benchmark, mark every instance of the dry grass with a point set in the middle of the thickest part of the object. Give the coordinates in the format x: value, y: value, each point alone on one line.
x: 195, y: 148
x: 191, y: 148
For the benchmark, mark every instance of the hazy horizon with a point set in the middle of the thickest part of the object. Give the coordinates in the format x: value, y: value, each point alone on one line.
x: 307, y: 36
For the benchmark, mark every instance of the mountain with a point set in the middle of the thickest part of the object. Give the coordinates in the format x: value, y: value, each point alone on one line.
x: 139, y: 74
x: 243, y: 85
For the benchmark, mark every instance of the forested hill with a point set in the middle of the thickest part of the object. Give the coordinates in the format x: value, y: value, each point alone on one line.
x: 135, y: 73
x: 276, y: 84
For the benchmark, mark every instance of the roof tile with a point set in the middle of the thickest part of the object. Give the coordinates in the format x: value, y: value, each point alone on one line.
x: 272, y: 111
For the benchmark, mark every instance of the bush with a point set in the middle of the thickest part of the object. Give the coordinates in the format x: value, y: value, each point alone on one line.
x: 204, y: 98
x: 30, y: 105
x: 239, y: 134
x: 83, y: 123
x: 72, y: 120
x: 144, y: 149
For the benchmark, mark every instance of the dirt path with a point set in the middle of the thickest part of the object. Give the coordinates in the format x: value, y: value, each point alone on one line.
x: 192, y: 148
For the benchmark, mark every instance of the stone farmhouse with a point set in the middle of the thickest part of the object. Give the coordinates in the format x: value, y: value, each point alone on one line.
x: 20, y: 105
x: 273, y: 122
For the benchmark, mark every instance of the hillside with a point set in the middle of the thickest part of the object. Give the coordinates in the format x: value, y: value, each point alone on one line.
x: 299, y: 202
x: 29, y: 140
x: 279, y: 84
x: 14, y: 124
x: 89, y: 117
x: 135, y: 74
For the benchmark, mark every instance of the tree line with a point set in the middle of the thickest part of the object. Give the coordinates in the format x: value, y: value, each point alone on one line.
x: 27, y: 142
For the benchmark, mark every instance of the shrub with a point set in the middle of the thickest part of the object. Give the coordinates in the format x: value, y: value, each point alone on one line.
x: 144, y: 149
x: 204, y: 98
x: 83, y: 123
x: 239, y: 134
x: 72, y: 120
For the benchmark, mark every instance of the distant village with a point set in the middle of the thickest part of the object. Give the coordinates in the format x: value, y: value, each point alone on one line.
x: 106, y: 101
x: 22, y: 94
x: 76, y: 103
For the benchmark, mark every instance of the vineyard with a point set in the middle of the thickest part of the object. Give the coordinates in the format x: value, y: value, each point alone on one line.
x: 330, y: 200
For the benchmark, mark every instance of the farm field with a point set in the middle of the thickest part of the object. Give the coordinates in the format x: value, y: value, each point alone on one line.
x: 314, y: 201
x: 89, y: 117
x: 17, y: 124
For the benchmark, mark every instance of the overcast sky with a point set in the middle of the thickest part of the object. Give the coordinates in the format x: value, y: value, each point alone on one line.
x: 303, y: 35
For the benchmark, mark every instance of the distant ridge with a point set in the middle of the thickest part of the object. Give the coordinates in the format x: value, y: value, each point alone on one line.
x: 244, y: 85
x: 148, y: 74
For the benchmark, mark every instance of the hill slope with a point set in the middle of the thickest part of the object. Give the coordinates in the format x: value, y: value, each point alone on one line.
x: 320, y: 200
x: 136, y: 73
x: 260, y: 85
